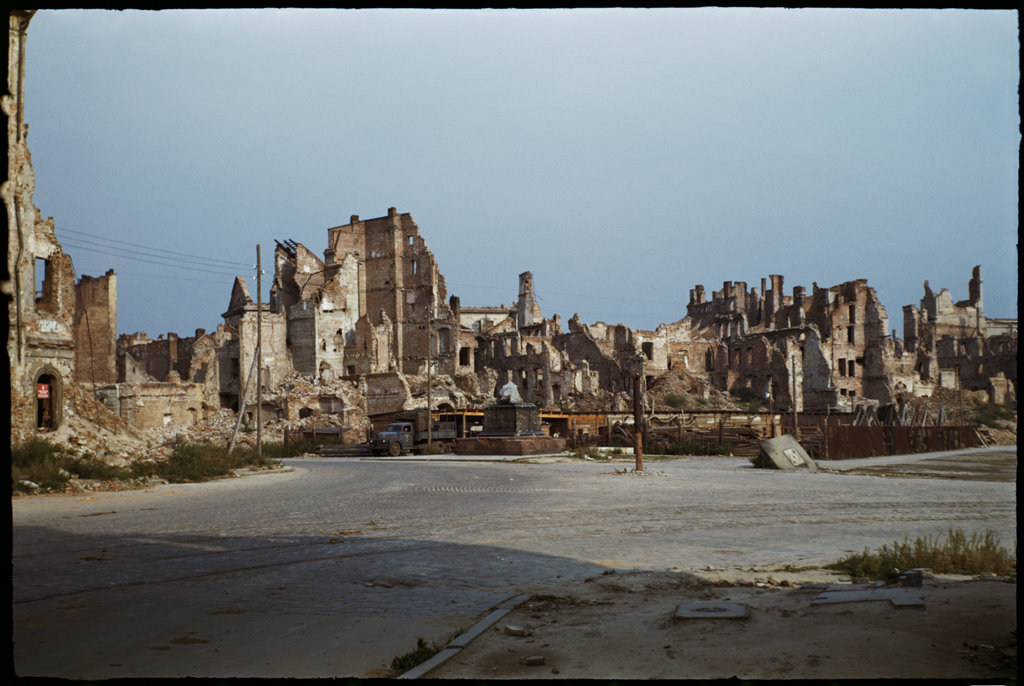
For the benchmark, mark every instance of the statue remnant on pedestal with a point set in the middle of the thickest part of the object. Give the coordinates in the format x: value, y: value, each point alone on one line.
x: 510, y: 416
x: 509, y: 393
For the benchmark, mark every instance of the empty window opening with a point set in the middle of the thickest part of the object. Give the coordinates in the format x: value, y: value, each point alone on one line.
x: 648, y: 349
x: 42, y: 276
x: 412, y: 239
x: 851, y: 368
x: 853, y: 314
x: 464, y: 357
x: 415, y: 266
x: 350, y: 369
x: 849, y: 334
x: 842, y: 367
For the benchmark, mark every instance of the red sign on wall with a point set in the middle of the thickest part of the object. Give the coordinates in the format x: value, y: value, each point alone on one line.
x: 43, y: 390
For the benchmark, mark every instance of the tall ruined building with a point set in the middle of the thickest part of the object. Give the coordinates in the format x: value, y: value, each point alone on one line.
x: 40, y: 279
x: 396, y: 279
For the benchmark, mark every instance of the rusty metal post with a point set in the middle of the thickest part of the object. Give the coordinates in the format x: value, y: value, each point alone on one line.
x: 638, y: 419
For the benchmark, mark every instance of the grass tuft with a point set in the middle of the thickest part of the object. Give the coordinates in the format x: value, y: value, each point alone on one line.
x: 954, y: 553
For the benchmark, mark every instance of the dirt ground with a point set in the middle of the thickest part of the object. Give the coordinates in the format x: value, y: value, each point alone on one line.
x: 621, y: 625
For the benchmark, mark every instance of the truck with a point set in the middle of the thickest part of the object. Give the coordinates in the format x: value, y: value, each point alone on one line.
x: 407, y: 433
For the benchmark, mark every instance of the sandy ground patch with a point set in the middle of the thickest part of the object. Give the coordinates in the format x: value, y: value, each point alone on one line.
x: 621, y: 625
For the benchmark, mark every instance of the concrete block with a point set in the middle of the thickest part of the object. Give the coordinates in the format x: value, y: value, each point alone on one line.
x: 784, y: 452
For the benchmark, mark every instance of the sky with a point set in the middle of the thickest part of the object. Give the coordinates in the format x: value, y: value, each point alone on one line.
x: 621, y: 155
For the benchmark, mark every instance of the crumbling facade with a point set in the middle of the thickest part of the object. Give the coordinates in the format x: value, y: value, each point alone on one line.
x: 40, y: 279
x: 829, y: 350
x: 954, y: 345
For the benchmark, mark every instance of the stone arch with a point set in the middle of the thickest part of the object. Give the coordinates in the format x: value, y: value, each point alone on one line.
x: 48, y: 415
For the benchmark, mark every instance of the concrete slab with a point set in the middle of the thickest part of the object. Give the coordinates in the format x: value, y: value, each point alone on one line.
x: 900, y: 597
x: 784, y: 452
x: 463, y: 639
x: 711, y: 611
x: 424, y: 667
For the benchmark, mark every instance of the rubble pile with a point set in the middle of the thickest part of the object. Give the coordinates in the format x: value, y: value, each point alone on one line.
x: 91, y: 428
x: 696, y: 393
x: 443, y: 390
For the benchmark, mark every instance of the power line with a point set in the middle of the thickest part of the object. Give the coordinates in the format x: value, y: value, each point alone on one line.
x: 140, y: 259
x: 151, y: 249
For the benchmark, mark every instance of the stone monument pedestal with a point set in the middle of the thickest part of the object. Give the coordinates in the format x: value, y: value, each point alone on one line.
x: 510, y: 428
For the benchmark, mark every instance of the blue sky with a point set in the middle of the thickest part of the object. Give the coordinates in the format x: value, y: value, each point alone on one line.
x: 622, y: 156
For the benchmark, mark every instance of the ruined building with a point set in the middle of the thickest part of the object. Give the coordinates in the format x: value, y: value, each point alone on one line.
x: 827, y: 350
x: 368, y: 326
x: 40, y: 279
x: 61, y: 334
x: 954, y: 345
x: 361, y: 317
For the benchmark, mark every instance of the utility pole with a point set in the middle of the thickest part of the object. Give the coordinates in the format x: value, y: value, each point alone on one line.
x: 430, y: 413
x: 796, y: 423
x: 638, y: 422
x: 259, y: 356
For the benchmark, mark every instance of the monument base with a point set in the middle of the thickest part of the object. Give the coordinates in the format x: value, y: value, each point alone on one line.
x: 509, y: 445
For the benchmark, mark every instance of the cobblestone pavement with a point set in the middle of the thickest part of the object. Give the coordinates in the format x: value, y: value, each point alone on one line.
x: 336, y: 566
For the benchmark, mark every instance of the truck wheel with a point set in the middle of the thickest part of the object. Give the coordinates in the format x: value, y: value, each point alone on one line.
x: 395, y: 449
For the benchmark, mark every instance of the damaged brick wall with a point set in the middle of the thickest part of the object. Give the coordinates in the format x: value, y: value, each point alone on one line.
x: 95, y: 329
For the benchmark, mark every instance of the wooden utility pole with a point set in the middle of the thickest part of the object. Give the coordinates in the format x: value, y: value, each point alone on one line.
x: 430, y: 413
x: 259, y: 356
x: 241, y: 404
x: 638, y: 423
x: 796, y: 422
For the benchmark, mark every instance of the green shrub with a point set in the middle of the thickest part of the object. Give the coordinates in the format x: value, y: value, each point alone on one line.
x: 746, y: 394
x: 205, y: 461
x: 958, y: 553
x: 39, y: 461
x: 675, y: 401
x: 990, y: 414
x: 92, y: 468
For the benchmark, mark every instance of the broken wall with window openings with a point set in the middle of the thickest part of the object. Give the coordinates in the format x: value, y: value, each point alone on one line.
x: 398, y: 277
x: 955, y: 345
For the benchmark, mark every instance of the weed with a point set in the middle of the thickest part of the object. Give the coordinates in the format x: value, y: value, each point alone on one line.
x: 958, y: 553
x: 423, y: 652
x: 590, y: 452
